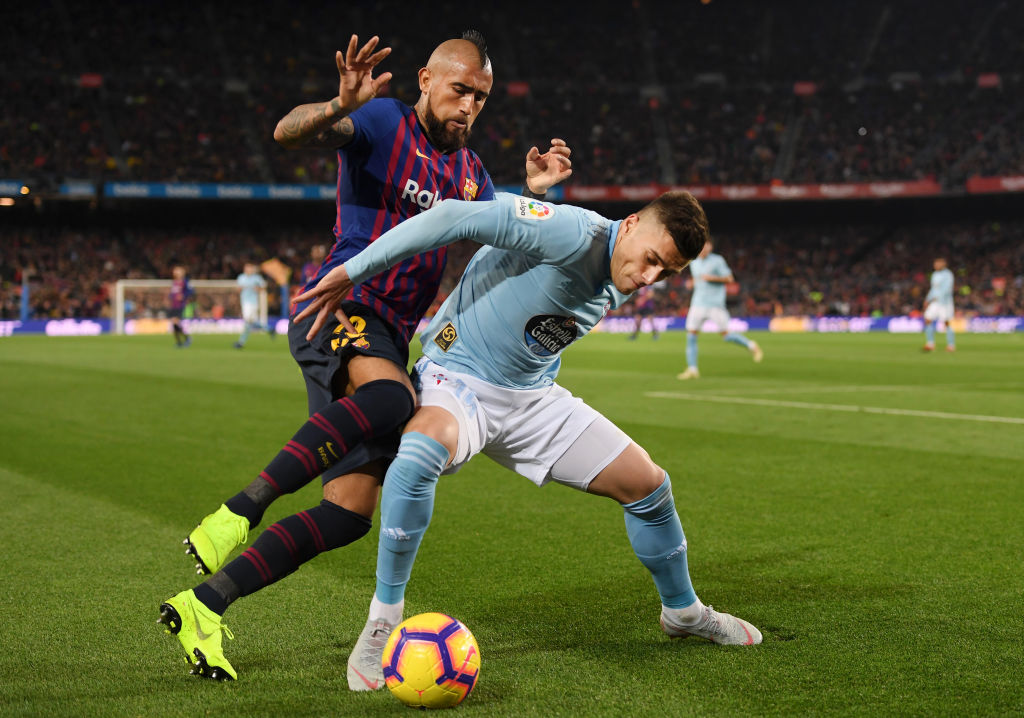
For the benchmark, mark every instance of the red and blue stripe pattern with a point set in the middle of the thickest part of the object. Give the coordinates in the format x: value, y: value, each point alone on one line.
x: 388, y: 173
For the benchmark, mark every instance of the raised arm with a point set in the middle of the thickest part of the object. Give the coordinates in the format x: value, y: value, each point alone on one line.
x: 505, y: 222
x: 326, y: 124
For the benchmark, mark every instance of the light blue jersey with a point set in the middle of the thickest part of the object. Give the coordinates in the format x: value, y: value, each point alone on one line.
x: 709, y: 294
x: 543, y: 282
x: 250, y: 284
x: 942, y: 287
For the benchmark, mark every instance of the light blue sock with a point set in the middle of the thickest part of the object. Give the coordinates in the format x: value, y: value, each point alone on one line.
x: 950, y: 336
x: 929, y: 332
x: 691, y: 350
x: 658, y: 541
x: 735, y: 338
x: 245, y: 334
x: 406, y: 504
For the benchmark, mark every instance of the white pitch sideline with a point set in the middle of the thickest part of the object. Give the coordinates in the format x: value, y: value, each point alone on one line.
x: 850, y: 408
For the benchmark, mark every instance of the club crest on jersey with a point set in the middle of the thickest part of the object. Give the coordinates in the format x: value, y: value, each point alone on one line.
x: 423, y: 198
x: 446, y: 337
x: 469, y: 189
x: 548, y: 334
x: 533, y: 209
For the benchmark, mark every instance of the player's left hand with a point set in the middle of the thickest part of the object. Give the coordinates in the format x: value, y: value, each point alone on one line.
x: 326, y: 298
x: 544, y: 171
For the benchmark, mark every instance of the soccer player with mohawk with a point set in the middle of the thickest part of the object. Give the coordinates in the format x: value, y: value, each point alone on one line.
x: 394, y: 162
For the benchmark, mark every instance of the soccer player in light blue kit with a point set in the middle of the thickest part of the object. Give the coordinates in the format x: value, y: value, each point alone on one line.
x: 487, y: 381
x: 938, y: 307
x: 710, y: 275
x: 251, y: 282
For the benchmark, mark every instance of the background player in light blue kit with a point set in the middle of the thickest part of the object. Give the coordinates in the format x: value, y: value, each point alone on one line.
x: 938, y: 306
x: 710, y: 275
x: 250, y: 282
x: 487, y: 382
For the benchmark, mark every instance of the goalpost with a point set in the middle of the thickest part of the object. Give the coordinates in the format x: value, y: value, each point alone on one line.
x: 217, y: 305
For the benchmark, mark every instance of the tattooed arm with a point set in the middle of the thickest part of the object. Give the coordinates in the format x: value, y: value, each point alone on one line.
x: 326, y: 124
x: 315, y: 125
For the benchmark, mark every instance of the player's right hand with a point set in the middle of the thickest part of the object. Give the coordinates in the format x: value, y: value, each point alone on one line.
x: 326, y: 298
x: 357, y: 85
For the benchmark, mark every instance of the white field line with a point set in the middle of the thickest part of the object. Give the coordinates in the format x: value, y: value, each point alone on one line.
x: 832, y: 389
x: 833, y: 407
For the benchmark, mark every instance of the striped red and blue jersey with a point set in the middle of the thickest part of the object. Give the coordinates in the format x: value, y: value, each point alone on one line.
x: 180, y: 294
x: 387, y: 173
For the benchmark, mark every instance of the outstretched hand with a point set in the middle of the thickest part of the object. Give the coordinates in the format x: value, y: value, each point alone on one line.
x: 544, y: 171
x: 357, y: 85
x: 326, y: 298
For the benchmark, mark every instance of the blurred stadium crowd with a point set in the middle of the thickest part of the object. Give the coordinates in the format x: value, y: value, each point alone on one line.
x: 814, y: 271
x: 643, y: 91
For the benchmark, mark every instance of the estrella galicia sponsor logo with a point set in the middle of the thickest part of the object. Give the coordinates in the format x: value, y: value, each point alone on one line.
x: 446, y: 337
x: 548, y: 334
x: 533, y: 209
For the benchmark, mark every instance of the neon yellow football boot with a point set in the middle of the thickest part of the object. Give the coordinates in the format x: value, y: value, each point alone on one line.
x: 199, y: 631
x: 216, y: 536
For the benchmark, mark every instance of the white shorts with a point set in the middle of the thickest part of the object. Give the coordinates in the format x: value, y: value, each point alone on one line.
x: 697, y: 316
x: 525, y: 430
x: 938, y: 312
x: 251, y: 312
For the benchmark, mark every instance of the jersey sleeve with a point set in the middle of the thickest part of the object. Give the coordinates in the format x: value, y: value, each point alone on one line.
x: 486, y: 191
x: 544, y: 232
x: 368, y: 121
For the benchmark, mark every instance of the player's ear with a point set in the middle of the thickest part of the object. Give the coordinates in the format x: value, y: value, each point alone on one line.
x: 424, y: 78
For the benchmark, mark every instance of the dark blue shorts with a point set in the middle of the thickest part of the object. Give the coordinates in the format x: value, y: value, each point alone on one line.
x: 323, y: 363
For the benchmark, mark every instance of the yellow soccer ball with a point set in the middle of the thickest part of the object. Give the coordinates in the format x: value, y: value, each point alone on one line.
x: 431, y: 661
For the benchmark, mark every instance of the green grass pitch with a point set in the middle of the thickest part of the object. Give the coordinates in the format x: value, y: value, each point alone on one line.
x: 882, y: 554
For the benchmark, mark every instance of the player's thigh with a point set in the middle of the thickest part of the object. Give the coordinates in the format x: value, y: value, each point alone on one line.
x: 589, y: 453
x: 695, y: 317
x: 357, y: 491
x: 720, y: 318
x: 363, y: 369
x: 551, y: 435
x: 449, y: 411
x: 629, y: 477
x: 439, y: 424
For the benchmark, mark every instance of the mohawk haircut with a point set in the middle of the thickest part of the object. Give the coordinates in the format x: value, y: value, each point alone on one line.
x: 476, y: 37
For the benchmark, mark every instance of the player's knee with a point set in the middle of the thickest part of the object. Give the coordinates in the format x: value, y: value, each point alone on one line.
x: 394, y: 395
x: 649, y: 481
x: 337, y: 525
x: 356, y: 492
x: 438, y: 424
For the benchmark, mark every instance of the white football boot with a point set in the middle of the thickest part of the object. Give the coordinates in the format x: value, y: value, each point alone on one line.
x: 365, y: 672
x: 755, y: 349
x: 690, y: 373
x: 721, y: 628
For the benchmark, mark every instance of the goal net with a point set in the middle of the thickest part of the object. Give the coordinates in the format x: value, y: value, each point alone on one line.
x: 142, y: 306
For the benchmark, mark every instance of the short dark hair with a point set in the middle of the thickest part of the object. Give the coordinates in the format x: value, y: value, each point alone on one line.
x: 477, y: 38
x: 684, y: 218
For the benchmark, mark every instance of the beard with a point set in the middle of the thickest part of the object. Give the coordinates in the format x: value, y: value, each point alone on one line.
x: 443, y: 139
